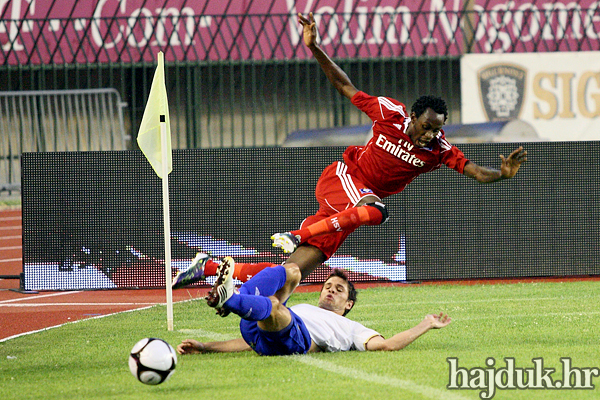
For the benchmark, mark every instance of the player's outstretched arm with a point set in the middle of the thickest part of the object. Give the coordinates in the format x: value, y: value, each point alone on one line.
x: 509, y: 168
x: 191, y: 346
x: 334, y: 73
x: 403, y: 339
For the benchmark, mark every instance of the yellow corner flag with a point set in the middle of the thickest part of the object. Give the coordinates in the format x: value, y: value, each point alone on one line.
x: 149, y: 135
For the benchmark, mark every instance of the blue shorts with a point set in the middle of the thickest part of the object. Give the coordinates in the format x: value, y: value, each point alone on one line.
x: 293, y: 339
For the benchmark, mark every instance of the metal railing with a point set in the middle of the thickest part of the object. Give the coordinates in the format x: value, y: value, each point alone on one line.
x: 57, y: 120
x: 238, y: 74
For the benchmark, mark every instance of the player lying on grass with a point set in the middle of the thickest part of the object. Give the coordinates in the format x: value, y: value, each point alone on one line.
x: 269, y: 327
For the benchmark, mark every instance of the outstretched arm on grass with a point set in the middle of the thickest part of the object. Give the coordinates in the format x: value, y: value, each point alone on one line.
x: 403, y: 339
x: 191, y: 346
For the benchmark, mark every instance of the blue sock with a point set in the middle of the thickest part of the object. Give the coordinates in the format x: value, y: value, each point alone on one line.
x: 253, y: 303
x: 250, y: 307
x: 266, y: 283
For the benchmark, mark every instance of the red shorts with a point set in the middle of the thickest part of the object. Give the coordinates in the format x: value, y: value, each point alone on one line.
x: 336, y: 191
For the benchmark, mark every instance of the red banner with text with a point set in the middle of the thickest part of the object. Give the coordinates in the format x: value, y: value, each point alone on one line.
x: 70, y: 31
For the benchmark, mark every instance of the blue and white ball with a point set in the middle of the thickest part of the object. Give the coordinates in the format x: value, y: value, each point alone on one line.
x: 152, y: 361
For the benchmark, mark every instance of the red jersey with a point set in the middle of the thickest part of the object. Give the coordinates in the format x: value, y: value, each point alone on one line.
x: 390, y: 161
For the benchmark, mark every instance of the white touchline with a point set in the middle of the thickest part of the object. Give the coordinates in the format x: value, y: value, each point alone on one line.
x: 403, y: 384
x: 75, y: 304
x: 212, y: 335
x: 460, y: 301
x: 459, y: 319
x: 70, y: 322
x: 532, y: 316
x: 85, y: 319
x: 37, y: 297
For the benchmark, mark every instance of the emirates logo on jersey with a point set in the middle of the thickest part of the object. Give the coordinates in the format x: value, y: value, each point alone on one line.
x: 400, y: 150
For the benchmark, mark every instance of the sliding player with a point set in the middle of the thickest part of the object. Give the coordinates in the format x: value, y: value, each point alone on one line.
x: 269, y: 327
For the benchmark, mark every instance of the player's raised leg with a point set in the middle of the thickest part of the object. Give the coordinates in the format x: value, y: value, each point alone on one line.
x: 373, y: 213
x: 194, y: 273
x: 223, y: 288
x: 253, y: 301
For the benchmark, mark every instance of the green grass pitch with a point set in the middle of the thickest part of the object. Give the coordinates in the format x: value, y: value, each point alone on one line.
x: 551, y: 320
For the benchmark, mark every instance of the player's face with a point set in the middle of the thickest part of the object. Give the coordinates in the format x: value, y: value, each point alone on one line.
x: 426, y: 127
x: 334, y: 296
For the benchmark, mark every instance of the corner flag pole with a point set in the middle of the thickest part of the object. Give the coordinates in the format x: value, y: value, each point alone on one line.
x: 167, y: 222
x: 154, y: 140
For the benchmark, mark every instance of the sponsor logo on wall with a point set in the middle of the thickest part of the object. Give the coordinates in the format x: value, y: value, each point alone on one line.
x: 556, y: 94
x: 502, y: 90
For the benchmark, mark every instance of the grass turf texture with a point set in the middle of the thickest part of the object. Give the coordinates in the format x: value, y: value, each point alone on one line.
x: 9, y: 202
x: 88, y: 359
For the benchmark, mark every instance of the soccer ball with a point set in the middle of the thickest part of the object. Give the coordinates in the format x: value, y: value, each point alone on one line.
x: 152, y: 361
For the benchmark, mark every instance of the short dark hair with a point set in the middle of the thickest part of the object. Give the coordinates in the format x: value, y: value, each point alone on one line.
x: 437, y: 104
x: 352, y: 293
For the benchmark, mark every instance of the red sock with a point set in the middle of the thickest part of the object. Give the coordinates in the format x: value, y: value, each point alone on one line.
x: 210, y: 268
x: 349, y: 219
x: 245, y: 271
x: 242, y: 271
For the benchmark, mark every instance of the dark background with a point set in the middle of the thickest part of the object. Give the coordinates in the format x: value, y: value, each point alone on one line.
x: 543, y: 222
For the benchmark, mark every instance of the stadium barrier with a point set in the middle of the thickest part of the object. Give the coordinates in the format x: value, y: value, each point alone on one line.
x: 237, y: 72
x: 94, y: 219
x: 57, y: 120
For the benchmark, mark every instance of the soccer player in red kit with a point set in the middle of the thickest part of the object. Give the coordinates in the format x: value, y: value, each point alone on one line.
x: 404, y: 145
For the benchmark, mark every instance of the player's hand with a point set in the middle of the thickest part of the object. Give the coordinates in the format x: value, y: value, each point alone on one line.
x: 310, y: 29
x: 438, y: 321
x: 190, y: 346
x: 510, y: 166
